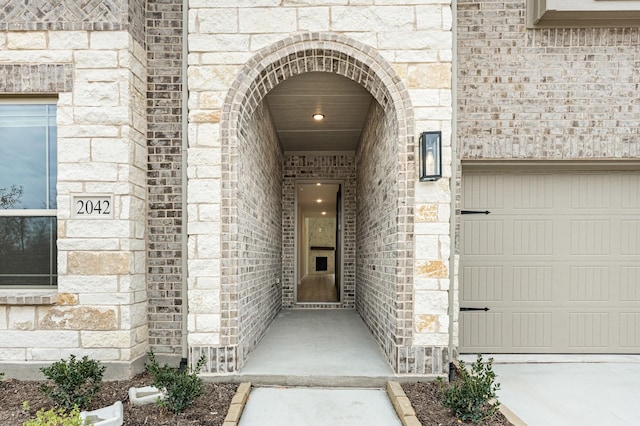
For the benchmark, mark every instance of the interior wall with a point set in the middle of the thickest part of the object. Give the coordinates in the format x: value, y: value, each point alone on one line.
x: 377, y: 218
x: 303, y: 247
x: 319, y: 167
x: 322, y: 233
x: 259, y: 228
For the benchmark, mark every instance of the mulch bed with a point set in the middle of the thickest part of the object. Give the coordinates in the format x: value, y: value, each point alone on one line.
x: 209, y: 410
x: 426, y: 400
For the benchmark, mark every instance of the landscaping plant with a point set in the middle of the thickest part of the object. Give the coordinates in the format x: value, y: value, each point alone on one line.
x: 74, y: 382
x: 182, y: 388
x: 54, y: 417
x: 473, y: 396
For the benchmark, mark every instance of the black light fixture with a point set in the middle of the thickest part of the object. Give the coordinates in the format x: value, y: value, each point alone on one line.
x: 430, y: 156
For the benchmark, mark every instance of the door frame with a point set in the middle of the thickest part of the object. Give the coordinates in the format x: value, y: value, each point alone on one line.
x: 339, y: 244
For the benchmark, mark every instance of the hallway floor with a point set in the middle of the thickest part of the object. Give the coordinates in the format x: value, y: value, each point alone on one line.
x: 305, y: 347
x: 318, y: 288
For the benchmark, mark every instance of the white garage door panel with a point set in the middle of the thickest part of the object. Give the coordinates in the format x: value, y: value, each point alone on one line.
x: 557, y: 262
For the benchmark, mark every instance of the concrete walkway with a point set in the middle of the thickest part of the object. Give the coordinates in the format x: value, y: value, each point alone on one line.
x: 333, y: 369
x: 307, y: 347
x: 570, y: 393
x: 318, y: 407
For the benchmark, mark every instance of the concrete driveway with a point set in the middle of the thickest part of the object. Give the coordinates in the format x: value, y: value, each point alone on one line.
x: 571, y: 393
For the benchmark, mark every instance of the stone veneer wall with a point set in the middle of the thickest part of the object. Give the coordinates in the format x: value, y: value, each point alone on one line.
x: 401, y: 53
x: 164, y: 176
x: 99, y: 308
x: 300, y: 167
x: 544, y: 93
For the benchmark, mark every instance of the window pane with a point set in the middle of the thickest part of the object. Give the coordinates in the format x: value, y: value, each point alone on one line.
x: 28, y: 175
x: 28, y: 162
x: 28, y: 251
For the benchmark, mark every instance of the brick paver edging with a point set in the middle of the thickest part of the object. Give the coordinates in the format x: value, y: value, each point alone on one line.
x: 408, y: 415
x: 403, y: 406
x: 237, y: 404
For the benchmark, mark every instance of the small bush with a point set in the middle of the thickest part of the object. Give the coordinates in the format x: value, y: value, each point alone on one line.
x: 473, y: 396
x: 182, y: 388
x: 74, y: 382
x: 57, y: 417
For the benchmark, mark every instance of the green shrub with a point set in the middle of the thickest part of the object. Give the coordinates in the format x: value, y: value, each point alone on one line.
x: 473, y: 396
x: 182, y: 388
x: 74, y: 382
x: 57, y: 417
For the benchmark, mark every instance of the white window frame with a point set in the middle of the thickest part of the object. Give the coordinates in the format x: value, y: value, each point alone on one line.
x: 582, y: 13
x: 31, y: 212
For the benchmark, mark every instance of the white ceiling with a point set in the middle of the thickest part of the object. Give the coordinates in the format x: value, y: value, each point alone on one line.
x: 344, y: 103
x: 309, y: 194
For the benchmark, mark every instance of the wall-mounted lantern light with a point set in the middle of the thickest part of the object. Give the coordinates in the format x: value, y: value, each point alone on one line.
x: 430, y: 156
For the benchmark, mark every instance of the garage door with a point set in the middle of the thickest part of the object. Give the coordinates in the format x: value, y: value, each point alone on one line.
x: 556, y: 262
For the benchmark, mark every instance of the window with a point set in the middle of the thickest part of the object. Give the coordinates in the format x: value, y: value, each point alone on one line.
x: 582, y: 13
x: 28, y: 174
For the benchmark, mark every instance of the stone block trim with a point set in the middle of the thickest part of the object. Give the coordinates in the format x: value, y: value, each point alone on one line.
x: 44, y: 297
x: 99, y: 307
x: 36, y: 78
x: 558, y: 94
x: 164, y: 174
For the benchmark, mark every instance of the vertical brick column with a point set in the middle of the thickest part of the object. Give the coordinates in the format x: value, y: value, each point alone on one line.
x: 164, y: 139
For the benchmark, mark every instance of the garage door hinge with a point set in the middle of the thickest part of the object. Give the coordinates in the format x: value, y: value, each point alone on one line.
x: 474, y: 212
x: 474, y: 309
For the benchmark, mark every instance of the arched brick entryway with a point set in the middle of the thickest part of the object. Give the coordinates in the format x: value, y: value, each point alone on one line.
x: 247, y: 309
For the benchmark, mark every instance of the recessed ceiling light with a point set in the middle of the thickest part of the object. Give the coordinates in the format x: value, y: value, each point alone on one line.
x: 324, y: 213
x: 319, y: 200
x: 318, y: 117
x: 318, y: 184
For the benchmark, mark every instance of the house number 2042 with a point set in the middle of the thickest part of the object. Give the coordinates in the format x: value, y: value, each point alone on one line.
x: 92, y: 207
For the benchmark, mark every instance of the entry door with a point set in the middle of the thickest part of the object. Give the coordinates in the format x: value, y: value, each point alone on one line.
x: 556, y: 262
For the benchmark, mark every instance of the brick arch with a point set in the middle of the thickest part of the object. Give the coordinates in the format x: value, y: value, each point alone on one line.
x: 322, y: 52
x: 298, y: 54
